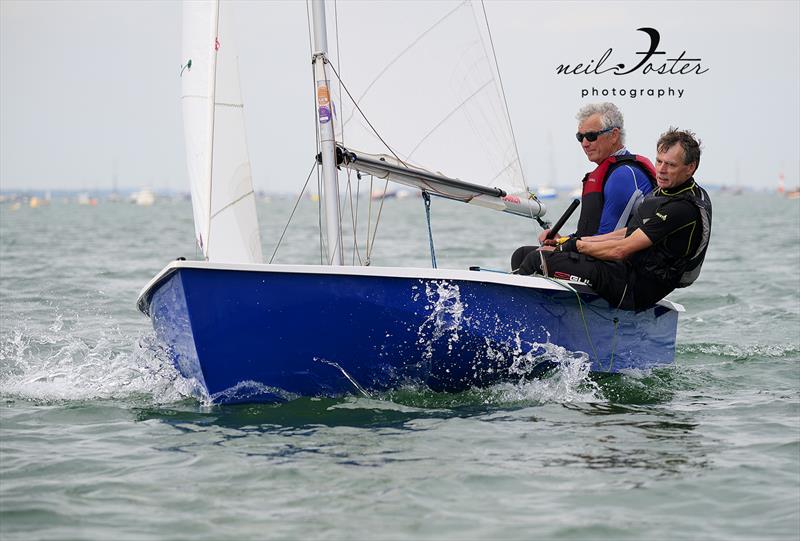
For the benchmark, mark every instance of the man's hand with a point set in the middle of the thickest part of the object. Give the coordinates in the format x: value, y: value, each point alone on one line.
x: 567, y: 244
x: 543, y: 237
x: 613, y: 249
x: 550, y: 242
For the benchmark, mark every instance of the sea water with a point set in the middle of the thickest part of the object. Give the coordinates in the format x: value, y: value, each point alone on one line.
x: 100, y: 438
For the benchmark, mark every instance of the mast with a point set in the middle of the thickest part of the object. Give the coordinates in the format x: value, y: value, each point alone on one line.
x: 328, y: 144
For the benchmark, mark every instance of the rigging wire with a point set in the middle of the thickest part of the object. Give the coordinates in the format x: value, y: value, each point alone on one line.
x: 342, y: 85
x: 403, y: 52
x: 322, y: 248
x: 364, y: 116
x: 335, y: 115
x: 338, y: 58
x: 353, y: 205
x: 349, y: 195
x: 355, y: 218
x: 502, y: 90
x: 296, y: 203
x: 447, y: 117
x: 542, y: 223
x: 377, y: 221
x: 378, y: 135
x: 369, y: 217
x: 310, y: 39
x: 352, y: 216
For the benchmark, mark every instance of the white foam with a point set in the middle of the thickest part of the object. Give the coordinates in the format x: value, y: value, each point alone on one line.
x: 60, y: 364
x: 568, y: 381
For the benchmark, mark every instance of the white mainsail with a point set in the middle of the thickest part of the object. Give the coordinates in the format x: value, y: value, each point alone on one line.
x: 223, y: 200
x: 427, y: 81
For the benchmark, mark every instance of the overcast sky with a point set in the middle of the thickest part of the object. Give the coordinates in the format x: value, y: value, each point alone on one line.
x: 89, y: 89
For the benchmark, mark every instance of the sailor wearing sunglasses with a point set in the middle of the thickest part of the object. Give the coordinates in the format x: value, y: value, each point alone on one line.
x: 663, y: 246
x: 612, y: 191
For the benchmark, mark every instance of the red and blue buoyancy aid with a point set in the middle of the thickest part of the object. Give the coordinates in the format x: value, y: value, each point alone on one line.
x: 592, y: 196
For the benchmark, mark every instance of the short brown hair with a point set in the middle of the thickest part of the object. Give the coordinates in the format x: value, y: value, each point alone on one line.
x: 688, y: 141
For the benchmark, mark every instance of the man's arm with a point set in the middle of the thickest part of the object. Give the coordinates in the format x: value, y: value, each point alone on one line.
x: 549, y: 245
x: 613, y: 235
x: 615, y: 249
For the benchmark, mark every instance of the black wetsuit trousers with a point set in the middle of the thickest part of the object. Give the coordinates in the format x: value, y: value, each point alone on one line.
x: 612, y: 280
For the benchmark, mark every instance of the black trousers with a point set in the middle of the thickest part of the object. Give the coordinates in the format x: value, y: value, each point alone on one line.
x: 518, y: 258
x: 612, y: 280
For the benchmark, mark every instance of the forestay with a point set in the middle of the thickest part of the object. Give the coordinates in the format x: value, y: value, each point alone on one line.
x: 223, y: 200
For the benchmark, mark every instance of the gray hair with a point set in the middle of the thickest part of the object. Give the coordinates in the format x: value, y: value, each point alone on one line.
x: 609, y: 116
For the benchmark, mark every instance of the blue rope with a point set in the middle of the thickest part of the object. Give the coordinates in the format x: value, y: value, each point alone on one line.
x: 427, y: 199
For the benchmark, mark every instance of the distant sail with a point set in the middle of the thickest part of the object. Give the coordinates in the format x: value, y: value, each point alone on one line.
x: 223, y: 201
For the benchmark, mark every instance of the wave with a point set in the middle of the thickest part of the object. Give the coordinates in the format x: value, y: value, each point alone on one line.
x: 739, y: 350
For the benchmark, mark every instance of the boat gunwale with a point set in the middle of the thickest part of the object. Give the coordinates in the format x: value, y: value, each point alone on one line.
x: 514, y: 280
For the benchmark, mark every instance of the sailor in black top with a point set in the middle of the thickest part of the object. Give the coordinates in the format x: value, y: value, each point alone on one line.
x: 663, y: 247
x: 679, y: 226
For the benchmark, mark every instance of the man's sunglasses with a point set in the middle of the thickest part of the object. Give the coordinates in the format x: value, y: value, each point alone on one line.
x: 592, y: 135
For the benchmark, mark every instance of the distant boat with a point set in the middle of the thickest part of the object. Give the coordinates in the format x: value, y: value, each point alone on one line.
x: 790, y: 194
x: 405, y: 194
x: 735, y: 190
x: 377, y: 195
x: 546, y: 192
x: 144, y: 197
x: 86, y: 199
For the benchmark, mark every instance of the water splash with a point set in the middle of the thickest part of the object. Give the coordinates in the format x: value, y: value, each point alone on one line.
x: 567, y: 381
x: 249, y: 390
x: 58, y: 363
x: 446, y: 312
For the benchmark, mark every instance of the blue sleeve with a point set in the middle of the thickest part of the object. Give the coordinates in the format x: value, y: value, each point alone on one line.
x: 618, y: 190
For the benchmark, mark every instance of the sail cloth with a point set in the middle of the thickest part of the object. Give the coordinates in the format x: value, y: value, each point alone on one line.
x: 424, y: 76
x: 223, y: 201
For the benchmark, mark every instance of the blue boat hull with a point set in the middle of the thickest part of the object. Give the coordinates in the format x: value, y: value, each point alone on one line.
x: 262, y: 334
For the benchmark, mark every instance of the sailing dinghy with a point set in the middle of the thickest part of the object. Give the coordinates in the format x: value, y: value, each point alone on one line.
x: 249, y: 331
